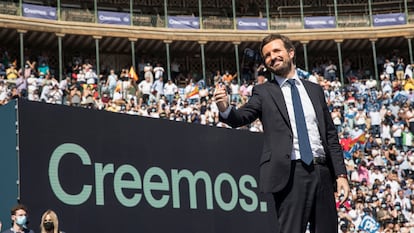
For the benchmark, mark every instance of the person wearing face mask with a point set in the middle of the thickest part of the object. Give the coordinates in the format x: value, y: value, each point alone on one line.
x: 49, y: 222
x: 383, y: 214
x: 19, y: 219
x: 352, y: 228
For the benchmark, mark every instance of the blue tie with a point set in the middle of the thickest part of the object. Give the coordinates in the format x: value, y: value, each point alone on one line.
x: 302, y: 131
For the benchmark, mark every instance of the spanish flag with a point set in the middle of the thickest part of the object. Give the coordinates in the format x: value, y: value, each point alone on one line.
x: 359, y: 139
x: 118, y: 87
x: 132, y: 74
x: 193, y: 92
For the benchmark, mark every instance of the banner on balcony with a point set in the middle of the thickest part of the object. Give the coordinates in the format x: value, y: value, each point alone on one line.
x: 40, y: 12
x: 251, y: 24
x: 110, y: 17
x: 389, y: 19
x: 319, y: 22
x: 183, y: 22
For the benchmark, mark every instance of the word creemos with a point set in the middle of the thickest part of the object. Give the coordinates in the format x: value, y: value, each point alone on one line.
x: 156, y: 186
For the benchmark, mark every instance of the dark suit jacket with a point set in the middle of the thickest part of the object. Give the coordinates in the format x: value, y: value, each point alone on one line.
x: 267, y: 104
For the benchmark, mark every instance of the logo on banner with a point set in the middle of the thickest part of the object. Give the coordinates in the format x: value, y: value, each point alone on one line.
x: 369, y: 224
x: 40, y: 12
x: 108, y: 17
x: 183, y: 22
x: 319, y: 22
x: 251, y: 24
x: 145, y: 188
x: 389, y: 19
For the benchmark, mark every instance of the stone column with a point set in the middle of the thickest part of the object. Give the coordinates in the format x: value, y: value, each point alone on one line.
x: 21, y: 39
x: 341, y: 70
x: 59, y: 37
x: 167, y: 51
x: 203, y: 60
x: 374, y: 54
x: 97, y: 39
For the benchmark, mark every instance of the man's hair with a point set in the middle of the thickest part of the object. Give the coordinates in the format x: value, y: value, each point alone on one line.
x: 286, y: 42
x: 18, y: 207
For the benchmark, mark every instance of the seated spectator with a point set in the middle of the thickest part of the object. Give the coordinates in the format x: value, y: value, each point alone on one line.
x: 407, y: 139
x: 376, y: 174
x: 75, y: 96
x: 43, y: 68
x: 11, y: 73
x: 55, y: 95
x: 383, y: 215
x: 390, y: 153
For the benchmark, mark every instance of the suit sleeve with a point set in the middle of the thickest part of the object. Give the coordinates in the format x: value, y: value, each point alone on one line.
x: 247, y: 113
x: 334, y: 149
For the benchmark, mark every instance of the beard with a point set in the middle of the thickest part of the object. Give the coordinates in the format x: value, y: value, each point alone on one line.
x: 282, y: 69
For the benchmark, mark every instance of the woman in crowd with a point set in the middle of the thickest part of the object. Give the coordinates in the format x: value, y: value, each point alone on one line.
x: 49, y: 222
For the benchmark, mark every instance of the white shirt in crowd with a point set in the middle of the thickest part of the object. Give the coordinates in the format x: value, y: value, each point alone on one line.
x: 158, y: 86
x: 145, y: 87
x: 234, y: 88
x: 170, y: 88
x: 375, y: 117
x: 158, y: 72
x: 371, y: 83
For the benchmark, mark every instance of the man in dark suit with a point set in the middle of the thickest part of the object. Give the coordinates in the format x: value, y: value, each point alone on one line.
x: 301, y: 155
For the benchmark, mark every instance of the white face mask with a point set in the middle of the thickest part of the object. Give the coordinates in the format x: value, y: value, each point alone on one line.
x: 21, y: 220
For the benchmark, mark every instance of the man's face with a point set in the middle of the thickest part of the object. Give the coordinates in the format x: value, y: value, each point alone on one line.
x: 277, y: 58
x: 18, y: 214
x: 260, y: 79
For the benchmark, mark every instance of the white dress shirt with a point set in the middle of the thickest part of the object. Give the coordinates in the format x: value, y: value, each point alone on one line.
x: 310, y: 117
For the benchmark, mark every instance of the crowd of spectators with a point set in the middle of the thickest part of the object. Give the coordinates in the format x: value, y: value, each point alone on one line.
x: 374, y: 119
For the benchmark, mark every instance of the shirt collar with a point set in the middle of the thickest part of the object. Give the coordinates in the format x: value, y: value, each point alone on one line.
x: 282, y: 81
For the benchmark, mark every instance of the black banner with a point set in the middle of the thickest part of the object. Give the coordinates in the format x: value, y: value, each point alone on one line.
x: 110, y: 172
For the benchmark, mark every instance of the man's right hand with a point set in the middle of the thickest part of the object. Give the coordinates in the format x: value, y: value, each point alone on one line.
x: 221, y: 98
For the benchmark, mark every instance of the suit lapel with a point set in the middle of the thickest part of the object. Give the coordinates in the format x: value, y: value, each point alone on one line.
x: 277, y: 96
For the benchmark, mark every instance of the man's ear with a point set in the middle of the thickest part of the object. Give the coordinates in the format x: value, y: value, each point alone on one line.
x: 291, y: 53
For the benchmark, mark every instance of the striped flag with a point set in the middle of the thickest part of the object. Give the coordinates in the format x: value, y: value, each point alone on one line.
x: 193, y: 92
x: 359, y: 139
x: 132, y: 74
